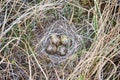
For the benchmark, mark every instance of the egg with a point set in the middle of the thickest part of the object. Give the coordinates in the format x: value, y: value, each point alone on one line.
x: 65, y: 40
x: 55, y: 39
x: 62, y: 50
x: 51, y: 49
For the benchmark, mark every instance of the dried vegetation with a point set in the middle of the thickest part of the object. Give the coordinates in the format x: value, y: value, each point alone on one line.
x: 93, y: 25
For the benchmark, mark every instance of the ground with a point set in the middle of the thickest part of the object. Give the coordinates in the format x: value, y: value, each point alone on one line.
x: 92, y: 25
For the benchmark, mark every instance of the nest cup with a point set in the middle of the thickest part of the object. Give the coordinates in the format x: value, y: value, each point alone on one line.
x: 60, y: 27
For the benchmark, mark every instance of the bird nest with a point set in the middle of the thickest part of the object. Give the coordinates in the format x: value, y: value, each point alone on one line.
x: 59, y: 27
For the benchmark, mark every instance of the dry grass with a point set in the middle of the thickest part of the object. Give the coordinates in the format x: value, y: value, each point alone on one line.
x: 23, y: 24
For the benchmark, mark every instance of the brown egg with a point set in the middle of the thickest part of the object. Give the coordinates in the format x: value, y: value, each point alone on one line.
x: 65, y: 40
x: 55, y: 39
x: 51, y: 49
x: 62, y: 50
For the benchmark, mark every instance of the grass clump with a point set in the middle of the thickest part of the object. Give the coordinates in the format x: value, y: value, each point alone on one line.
x: 23, y: 24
